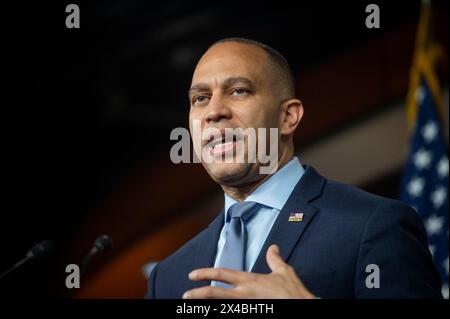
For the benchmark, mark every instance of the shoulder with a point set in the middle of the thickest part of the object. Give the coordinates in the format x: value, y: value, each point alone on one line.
x: 353, y: 209
x: 374, y: 214
x: 335, y: 197
x: 348, y: 198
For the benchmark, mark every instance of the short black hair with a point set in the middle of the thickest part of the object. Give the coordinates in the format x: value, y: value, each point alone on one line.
x: 278, y: 60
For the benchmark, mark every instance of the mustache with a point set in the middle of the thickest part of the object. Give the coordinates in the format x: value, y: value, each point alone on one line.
x: 215, y: 135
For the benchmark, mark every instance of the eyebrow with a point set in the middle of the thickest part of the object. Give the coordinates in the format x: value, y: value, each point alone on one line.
x: 227, y: 83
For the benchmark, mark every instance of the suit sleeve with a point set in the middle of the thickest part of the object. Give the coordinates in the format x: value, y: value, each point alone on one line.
x: 395, y: 240
x: 151, y: 292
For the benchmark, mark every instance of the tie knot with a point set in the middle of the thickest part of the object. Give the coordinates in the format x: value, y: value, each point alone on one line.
x: 243, y: 210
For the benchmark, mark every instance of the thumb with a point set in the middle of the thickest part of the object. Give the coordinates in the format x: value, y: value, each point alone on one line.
x: 274, y: 259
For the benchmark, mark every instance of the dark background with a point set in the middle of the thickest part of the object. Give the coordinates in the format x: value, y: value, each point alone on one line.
x: 85, y: 109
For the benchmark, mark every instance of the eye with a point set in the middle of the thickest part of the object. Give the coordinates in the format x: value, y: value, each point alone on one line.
x: 199, y: 99
x: 240, y: 91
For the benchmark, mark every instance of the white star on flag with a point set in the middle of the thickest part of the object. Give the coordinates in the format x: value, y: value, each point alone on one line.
x: 442, y: 167
x: 420, y: 94
x: 438, y: 197
x: 434, y: 225
x: 415, y: 186
x: 429, y: 131
x: 422, y: 158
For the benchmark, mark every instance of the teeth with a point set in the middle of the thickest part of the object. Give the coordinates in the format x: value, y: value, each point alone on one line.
x: 223, y: 144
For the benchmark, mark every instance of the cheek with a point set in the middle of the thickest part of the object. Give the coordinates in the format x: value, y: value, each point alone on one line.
x: 195, y: 126
x: 264, y: 116
x: 194, y: 115
x: 272, y: 116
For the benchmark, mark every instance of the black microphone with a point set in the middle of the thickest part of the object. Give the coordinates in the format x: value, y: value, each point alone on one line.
x: 102, y: 244
x: 38, y: 251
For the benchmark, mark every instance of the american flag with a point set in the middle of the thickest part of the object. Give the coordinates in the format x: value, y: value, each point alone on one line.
x: 425, y: 181
x: 296, y: 217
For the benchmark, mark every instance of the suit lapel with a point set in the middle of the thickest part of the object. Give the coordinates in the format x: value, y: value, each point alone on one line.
x: 284, y: 233
x: 206, y: 251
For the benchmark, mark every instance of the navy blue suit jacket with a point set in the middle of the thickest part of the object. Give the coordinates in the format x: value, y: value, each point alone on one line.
x: 344, y: 230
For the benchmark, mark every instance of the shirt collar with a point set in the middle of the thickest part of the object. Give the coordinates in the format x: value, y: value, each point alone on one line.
x: 275, y: 191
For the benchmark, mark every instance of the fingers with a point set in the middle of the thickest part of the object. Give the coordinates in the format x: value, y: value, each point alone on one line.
x: 210, y: 292
x: 274, y: 259
x: 232, y: 277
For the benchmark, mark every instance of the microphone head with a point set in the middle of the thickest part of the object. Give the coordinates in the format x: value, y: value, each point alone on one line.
x: 41, y: 249
x: 103, y: 243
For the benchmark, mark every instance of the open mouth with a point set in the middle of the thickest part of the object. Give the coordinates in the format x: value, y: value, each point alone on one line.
x: 220, y: 145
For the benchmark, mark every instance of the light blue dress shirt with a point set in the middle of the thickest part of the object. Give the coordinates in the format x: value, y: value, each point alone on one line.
x: 272, y: 194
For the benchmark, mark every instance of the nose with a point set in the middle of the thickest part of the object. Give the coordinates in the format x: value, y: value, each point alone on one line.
x: 217, y: 110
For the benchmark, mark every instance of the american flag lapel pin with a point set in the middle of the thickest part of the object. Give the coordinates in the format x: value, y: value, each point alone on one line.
x: 296, y: 217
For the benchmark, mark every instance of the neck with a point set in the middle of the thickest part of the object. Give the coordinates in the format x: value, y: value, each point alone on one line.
x: 241, y: 192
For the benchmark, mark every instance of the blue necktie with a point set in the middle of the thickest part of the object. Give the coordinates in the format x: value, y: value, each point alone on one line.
x: 234, y: 250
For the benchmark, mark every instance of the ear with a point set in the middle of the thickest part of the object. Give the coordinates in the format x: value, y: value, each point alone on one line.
x: 292, y: 113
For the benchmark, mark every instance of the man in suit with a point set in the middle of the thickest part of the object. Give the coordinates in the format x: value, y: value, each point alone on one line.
x: 292, y: 233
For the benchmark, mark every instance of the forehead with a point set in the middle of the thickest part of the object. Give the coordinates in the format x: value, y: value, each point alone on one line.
x: 231, y: 59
